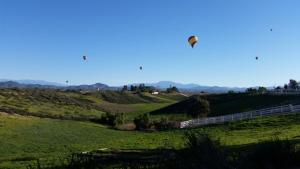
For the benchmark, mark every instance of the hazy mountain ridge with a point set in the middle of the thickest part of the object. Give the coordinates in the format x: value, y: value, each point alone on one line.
x: 160, y: 85
x: 43, y: 85
x: 191, y: 87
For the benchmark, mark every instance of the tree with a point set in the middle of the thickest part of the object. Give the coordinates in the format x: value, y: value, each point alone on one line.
x: 293, y: 84
x: 172, y: 89
x: 111, y: 119
x: 142, y: 122
x: 286, y: 86
x: 201, y: 109
x: 133, y: 88
x: 251, y: 90
x: 262, y: 90
x: 125, y: 88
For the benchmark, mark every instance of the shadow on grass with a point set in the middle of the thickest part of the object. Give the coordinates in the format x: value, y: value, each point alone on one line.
x: 201, y: 152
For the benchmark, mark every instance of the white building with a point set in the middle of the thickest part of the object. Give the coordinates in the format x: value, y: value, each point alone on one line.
x: 155, y: 93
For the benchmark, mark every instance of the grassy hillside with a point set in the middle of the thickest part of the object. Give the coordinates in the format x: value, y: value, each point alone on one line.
x: 77, y: 105
x: 180, y: 110
x: 27, y: 138
x: 235, y: 103
x: 221, y: 104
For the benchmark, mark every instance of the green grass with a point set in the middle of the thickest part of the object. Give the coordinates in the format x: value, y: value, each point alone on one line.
x: 76, y: 105
x: 25, y: 138
x: 32, y: 137
x: 234, y: 103
x: 221, y: 104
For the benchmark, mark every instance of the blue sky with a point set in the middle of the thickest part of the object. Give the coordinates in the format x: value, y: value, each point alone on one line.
x: 46, y: 39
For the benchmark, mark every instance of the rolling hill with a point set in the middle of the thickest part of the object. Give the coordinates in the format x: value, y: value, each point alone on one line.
x: 221, y: 104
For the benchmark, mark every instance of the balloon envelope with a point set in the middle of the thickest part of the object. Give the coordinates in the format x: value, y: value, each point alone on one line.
x: 193, y: 40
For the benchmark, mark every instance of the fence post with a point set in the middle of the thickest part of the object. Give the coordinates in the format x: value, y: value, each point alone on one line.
x: 291, y: 107
x: 260, y: 113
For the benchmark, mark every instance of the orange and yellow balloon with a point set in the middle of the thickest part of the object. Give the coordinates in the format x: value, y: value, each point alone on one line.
x: 193, y: 40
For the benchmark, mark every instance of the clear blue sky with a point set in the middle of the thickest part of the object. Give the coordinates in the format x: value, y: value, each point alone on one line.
x: 45, y: 40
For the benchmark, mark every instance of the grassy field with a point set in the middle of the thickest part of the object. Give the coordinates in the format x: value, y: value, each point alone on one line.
x: 36, y: 127
x: 221, y: 104
x: 76, y: 105
x: 28, y: 138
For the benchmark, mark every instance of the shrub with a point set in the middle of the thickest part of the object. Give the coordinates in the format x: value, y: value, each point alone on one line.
x: 111, y: 119
x: 203, y: 152
x: 142, y: 122
x: 275, y: 154
x: 164, y: 124
x: 202, y: 109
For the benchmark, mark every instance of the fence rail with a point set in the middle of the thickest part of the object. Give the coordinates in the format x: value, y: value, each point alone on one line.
x: 286, y: 109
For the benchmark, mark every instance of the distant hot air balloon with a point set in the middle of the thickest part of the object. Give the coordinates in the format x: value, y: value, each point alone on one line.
x: 193, y: 40
x: 141, y: 68
x: 84, y: 57
x: 256, y: 57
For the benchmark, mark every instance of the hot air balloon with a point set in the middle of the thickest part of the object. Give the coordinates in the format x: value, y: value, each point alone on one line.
x: 141, y: 68
x: 193, y: 40
x: 256, y: 57
x: 84, y: 57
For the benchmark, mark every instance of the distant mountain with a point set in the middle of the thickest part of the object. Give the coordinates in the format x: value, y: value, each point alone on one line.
x: 33, y: 82
x: 194, y: 87
x: 13, y: 84
x: 96, y: 86
x: 4, y: 83
x: 40, y: 82
x: 44, y: 85
x: 167, y: 84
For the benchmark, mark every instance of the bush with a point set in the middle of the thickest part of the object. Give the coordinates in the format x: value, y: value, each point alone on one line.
x: 204, y: 152
x: 111, y: 119
x: 172, y: 89
x: 164, y: 124
x: 143, y: 122
x: 274, y: 154
x: 202, y: 109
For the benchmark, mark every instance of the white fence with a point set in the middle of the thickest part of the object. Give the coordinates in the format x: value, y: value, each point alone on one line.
x: 286, y: 109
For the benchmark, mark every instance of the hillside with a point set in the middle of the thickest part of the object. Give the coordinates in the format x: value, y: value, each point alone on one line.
x: 30, y: 138
x: 221, y: 104
x: 59, y: 104
x: 186, y: 107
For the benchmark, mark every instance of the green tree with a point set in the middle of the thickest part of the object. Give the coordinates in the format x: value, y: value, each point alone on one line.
x: 125, y: 88
x: 251, y: 90
x: 293, y: 84
x: 172, y: 89
x: 262, y: 90
x: 142, y: 122
x: 202, y: 109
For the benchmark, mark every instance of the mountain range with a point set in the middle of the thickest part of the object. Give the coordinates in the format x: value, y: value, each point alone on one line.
x: 191, y: 87
x: 4, y: 83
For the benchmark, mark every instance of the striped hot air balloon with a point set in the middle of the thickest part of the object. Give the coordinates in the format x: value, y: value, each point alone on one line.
x: 193, y: 40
